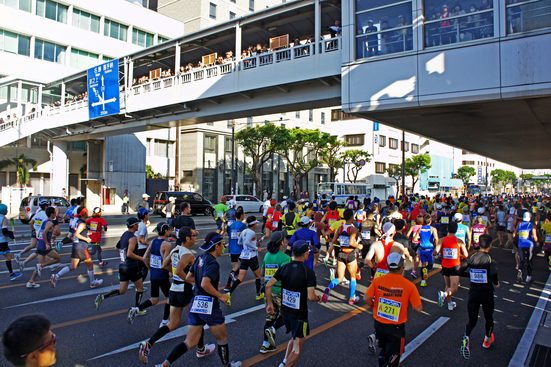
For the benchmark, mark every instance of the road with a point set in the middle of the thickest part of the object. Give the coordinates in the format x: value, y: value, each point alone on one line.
x: 338, y: 331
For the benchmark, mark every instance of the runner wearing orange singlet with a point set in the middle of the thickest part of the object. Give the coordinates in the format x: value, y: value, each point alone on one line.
x: 390, y: 296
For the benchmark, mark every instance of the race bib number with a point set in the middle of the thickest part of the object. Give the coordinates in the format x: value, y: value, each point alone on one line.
x: 220, y: 214
x: 366, y: 235
x: 122, y: 254
x: 389, y: 309
x: 412, y: 223
x: 344, y: 241
x: 444, y: 220
x: 270, y: 271
x: 548, y: 238
x: 156, y: 261
x: 230, y: 222
x: 380, y: 273
x: 331, y: 220
x: 291, y: 299
x: 275, y: 223
x: 484, y: 221
x: 476, y: 236
x: 202, y: 305
x: 450, y: 253
x: 523, y: 234
x: 234, y: 235
x: 177, y: 231
x: 479, y: 276
x: 94, y: 226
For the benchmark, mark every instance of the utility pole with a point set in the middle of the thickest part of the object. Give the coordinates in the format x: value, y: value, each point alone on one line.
x: 233, y: 178
x: 404, y: 164
x: 177, y: 160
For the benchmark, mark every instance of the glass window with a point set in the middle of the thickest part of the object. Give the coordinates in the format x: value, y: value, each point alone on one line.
x: 11, y: 3
x: 232, y: 15
x: 379, y: 167
x: 23, y: 45
x: 210, y: 143
x: 382, y: 140
x: 393, y: 143
x: 10, y: 42
x: 414, y: 148
x: 354, y: 140
x: 51, y: 10
x: 48, y: 51
x: 25, y: 5
x: 462, y: 21
x: 524, y: 16
x: 311, y: 115
x: 162, y: 39
x: 142, y: 38
x: 115, y: 30
x: 405, y: 146
x: 249, y: 122
x: 251, y: 5
x: 385, y: 30
x: 212, y: 11
x: 297, y: 114
x: 323, y: 118
x: 86, y: 21
x: 83, y: 59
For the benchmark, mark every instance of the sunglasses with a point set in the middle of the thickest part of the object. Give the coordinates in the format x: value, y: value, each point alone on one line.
x: 52, y: 341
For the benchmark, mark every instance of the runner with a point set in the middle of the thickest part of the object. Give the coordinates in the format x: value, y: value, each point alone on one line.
x: 290, y: 220
x: 451, y: 248
x: 143, y: 245
x: 4, y: 238
x: 274, y: 259
x: 44, y: 247
x: 526, y: 237
x: 35, y: 223
x: 380, y: 250
x: 463, y: 231
x: 184, y: 220
x: 428, y: 236
x: 79, y: 252
x: 478, y: 230
x: 219, y: 215
x: 205, y: 306
x: 97, y: 225
x: 546, y: 232
x: 159, y: 250
x: 390, y: 296
x: 248, y: 257
x: 235, y: 248
x: 168, y: 210
x: 179, y: 260
x: 298, y: 283
x: 306, y: 234
x: 501, y: 225
x: 129, y: 267
x: 266, y: 212
x: 346, y: 235
x: 414, y: 246
x: 482, y: 269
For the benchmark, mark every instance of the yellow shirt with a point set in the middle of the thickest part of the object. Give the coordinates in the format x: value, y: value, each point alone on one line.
x: 546, y: 228
x: 336, y: 224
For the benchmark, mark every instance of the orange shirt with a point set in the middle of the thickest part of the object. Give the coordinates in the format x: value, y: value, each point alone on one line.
x: 392, y: 295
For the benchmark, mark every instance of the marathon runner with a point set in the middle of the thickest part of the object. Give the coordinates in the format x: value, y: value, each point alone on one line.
x: 501, y: 225
x: 168, y: 209
x: 205, y: 305
x: 479, y: 228
x: 428, y: 236
x: 235, y: 248
x: 35, y: 223
x: 369, y: 232
x: 97, y: 225
x: 414, y: 245
x: 390, y: 296
x: 179, y: 260
x: 4, y: 239
x: 273, y: 260
x: 380, y: 250
x: 546, y: 232
x: 526, y: 237
x: 219, y: 215
x: 298, y: 283
x: 463, y: 231
x: 143, y: 245
x: 482, y: 270
x: 79, y: 252
x: 129, y: 267
x: 305, y: 233
x: 451, y: 248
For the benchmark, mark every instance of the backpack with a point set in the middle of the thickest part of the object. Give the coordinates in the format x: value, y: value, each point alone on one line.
x: 289, y: 218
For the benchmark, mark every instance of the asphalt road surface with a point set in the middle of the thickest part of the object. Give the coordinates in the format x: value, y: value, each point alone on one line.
x: 338, y: 331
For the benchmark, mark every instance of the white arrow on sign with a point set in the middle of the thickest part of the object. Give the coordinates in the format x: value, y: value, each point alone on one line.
x: 102, y: 100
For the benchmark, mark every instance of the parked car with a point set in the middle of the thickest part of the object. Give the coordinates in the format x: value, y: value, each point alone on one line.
x: 199, y: 205
x: 29, y: 206
x: 247, y: 203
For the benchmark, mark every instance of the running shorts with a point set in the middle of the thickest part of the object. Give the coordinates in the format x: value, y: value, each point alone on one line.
x: 130, y: 274
x: 198, y: 319
x: 219, y: 223
x: 40, y: 248
x: 297, y: 328
x: 448, y: 272
x: 249, y: 263
x: 4, y: 248
x: 162, y: 284
x: 180, y: 299
x: 392, y: 337
x: 501, y: 229
x: 82, y: 255
x: 346, y: 258
x: 425, y: 256
x: 235, y: 258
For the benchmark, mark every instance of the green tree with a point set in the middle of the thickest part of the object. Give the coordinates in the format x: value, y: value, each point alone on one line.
x: 150, y: 173
x: 352, y: 158
x: 510, y: 176
x: 416, y: 165
x: 301, y: 148
x: 464, y: 173
x: 259, y: 143
x: 395, y: 171
x: 498, y: 176
x: 20, y: 163
x: 331, y: 155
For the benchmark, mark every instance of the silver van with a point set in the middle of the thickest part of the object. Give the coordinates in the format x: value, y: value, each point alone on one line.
x: 29, y: 206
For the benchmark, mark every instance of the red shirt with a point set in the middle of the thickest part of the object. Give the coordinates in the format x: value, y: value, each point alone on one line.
x: 96, y: 227
x: 451, y: 252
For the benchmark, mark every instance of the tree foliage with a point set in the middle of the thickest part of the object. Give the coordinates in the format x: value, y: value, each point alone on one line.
x: 332, y: 156
x: 416, y: 165
x: 20, y: 163
x: 395, y: 172
x: 352, y: 158
x: 464, y: 173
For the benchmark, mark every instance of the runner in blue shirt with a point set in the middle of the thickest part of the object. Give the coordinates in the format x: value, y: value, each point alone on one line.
x: 527, y: 235
x: 235, y: 249
x: 308, y: 235
x: 428, y: 236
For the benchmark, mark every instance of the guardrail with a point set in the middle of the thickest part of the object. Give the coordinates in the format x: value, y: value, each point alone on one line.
x: 287, y: 54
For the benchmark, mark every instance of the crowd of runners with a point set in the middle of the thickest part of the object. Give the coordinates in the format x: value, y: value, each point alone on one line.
x: 369, y: 239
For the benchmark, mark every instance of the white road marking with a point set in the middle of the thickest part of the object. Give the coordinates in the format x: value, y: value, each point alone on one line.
x: 182, y: 331
x: 30, y: 267
x: 523, y: 348
x: 421, y: 338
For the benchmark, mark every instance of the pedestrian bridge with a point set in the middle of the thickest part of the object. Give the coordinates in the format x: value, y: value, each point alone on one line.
x: 479, y: 83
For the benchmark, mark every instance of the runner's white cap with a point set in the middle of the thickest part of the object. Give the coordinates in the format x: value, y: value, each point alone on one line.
x: 394, y: 260
x: 458, y: 217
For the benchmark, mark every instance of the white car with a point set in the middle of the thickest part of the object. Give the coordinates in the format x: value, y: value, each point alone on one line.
x: 247, y: 203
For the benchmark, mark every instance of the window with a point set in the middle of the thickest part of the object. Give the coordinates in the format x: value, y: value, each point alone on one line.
x: 227, y: 145
x: 337, y: 115
x: 86, y: 21
x: 148, y: 146
x: 24, y: 5
x: 233, y: 1
x: 414, y: 148
x: 188, y: 173
x: 83, y: 60
x: 405, y: 146
x: 230, y: 124
x: 210, y: 143
x: 382, y: 140
x: 523, y: 16
x: 232, y: 15
x: 251, y: 5
x: 468, y: 163
x: 310, y: 115
x: 323, y: 118
x: 142, y: 38
x: 380, y: 167
x: 393, y: 143
x: 48, y: 51
x: 383, y: 27
x: 161, y: 39
x: 107, y: 58
x: 14, y: 43
x: 51, y: 10
x: 115, y: 30
x: 210, y: 123
x: 354, y: 139
x: 212, y: 11
x: 297, y: 114
x: 266, y: 122
x: 249, y: 122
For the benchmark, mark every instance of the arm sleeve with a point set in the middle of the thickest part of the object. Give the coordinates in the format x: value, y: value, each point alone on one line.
x: 6, y: 232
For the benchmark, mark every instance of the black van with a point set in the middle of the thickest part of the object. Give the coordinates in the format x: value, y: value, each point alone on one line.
x: 199, y: 205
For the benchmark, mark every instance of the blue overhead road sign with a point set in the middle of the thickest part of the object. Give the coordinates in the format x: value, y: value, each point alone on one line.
x: 103, y: 90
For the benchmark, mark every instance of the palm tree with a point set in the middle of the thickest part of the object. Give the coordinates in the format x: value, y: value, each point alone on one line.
x: 20, y: 164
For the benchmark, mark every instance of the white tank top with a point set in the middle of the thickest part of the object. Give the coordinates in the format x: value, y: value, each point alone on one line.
x: 175, y: 256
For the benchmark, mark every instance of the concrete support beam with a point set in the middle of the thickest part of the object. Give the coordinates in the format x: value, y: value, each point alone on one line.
x: 59, y: 167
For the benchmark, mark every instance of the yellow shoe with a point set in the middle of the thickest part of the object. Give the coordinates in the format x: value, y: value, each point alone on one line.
x: 425, y: 274
x: 259, y: 296
x: 423, y: 283
x: 228, y: 302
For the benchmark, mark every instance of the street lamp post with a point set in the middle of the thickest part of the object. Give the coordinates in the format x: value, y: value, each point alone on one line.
x: 233, y: 178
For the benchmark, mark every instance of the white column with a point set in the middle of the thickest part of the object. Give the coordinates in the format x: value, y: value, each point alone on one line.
x: 237, y: 41
x: 68, y: 56
x: 39, y: 100
x: 62, y: 95
x: 19, y: 95
x: 130, y: 74
x: 317, y: 25
x: 102, y: 25
x: 59, y: 167
x: 177, y: 58
x: 31, y: 53
x: 129, y: 34
x: 70, y: 15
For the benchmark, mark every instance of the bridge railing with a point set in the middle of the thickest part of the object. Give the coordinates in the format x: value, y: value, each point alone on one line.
x: 288, y: 54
